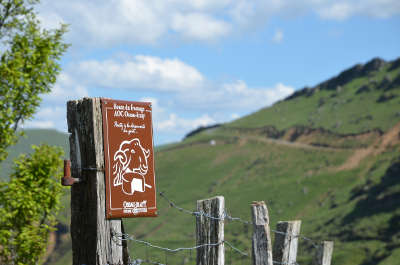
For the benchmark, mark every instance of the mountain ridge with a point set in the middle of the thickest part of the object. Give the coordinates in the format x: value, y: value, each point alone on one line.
x: 345, y: 76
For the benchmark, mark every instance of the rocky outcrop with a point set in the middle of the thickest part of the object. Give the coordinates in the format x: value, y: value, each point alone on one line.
x: 336, y: 83
x: 393, y: 84
x: 201, y: 129
x: 306, y: 91
x: 363, y: 89
x: 395, y: 64
x: 375, y: 64
x: 386, y: 97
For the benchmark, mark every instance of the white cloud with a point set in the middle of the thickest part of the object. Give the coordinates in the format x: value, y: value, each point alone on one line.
x: 233, y: 96
x: 278, y: 36
x: 171, y: 122
x: 338, y: 11
x: 190, y: 88
x: 52, y: 113
x: 66, y: 88
x: 159, y: 113
x: 254, y: 97
x: 139, y: 72
x: 51, y: 21
x: 235, y: 116
x: 104, y: 23
x: 203, y: 5
x: 39, y: 124
x: 48, y: 117
x: 341, y: 10
x: 175, y: 123
x: 199, y: 26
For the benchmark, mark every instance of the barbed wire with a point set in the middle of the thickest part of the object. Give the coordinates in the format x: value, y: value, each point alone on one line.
x: 140, y: 261
x: 313, y: 243
x: 226, y: 216
x: 236, y: 249
x: 285, y: 263
x: 125, y: 237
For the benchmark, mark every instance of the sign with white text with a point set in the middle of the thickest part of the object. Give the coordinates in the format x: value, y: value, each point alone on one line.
x: 129, y: 159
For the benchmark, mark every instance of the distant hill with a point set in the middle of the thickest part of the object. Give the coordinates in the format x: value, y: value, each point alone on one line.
x: 328, y: 155
x: 33, y: 137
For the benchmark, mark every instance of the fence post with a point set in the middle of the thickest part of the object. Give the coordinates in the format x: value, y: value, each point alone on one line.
x: 210, y: 231
x: 324, y: 253
x: 91, y: 233
x: 286, y: 241
x: 261, y: 240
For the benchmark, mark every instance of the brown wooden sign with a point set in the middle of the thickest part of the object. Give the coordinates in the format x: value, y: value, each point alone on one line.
x: 129, y: 159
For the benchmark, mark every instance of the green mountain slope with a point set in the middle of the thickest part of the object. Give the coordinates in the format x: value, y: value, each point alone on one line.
x: 328, y: 155
x: 359, y: 99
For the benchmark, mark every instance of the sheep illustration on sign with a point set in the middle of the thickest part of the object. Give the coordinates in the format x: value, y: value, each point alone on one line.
x: 130, y: 167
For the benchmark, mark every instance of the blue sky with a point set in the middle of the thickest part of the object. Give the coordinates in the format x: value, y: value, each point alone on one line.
x: 202, y: 62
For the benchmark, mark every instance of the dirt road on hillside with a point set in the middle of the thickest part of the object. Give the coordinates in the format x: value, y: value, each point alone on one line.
x: 288, y: 143
x: 391, y: 137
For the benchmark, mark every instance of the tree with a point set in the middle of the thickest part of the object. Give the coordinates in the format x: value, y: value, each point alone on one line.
x: 29, y: 203
x: 29, y: 65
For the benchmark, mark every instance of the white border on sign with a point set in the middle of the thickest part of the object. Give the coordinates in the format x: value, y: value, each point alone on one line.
x: 109, y: 166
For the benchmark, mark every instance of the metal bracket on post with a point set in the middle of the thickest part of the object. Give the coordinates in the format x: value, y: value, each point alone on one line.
x: 67, y: 180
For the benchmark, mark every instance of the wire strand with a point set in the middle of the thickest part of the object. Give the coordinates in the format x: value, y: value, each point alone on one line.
x: 226, y: 216
x: 124, y: 237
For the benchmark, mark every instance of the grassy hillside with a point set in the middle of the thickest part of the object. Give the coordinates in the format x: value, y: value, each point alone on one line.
x: 33, y: 137
x: 328, y: 155
x: 362, y: 98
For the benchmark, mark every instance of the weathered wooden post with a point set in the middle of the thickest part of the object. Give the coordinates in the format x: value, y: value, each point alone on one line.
x: 324, y: 253
x: 261, y: 240
x: 286, y: 241
x: 210, y: 231
x: 91, y: 233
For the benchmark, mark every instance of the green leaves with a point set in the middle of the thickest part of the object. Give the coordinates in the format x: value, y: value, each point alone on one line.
x: 28, y: 67
x: 29, y: 203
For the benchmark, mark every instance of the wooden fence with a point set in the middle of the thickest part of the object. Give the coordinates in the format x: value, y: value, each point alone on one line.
x: 210, y: 241
x: 283, y: 251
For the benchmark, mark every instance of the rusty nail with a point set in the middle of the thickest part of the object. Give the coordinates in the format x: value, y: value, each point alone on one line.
x: 67, y: 180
